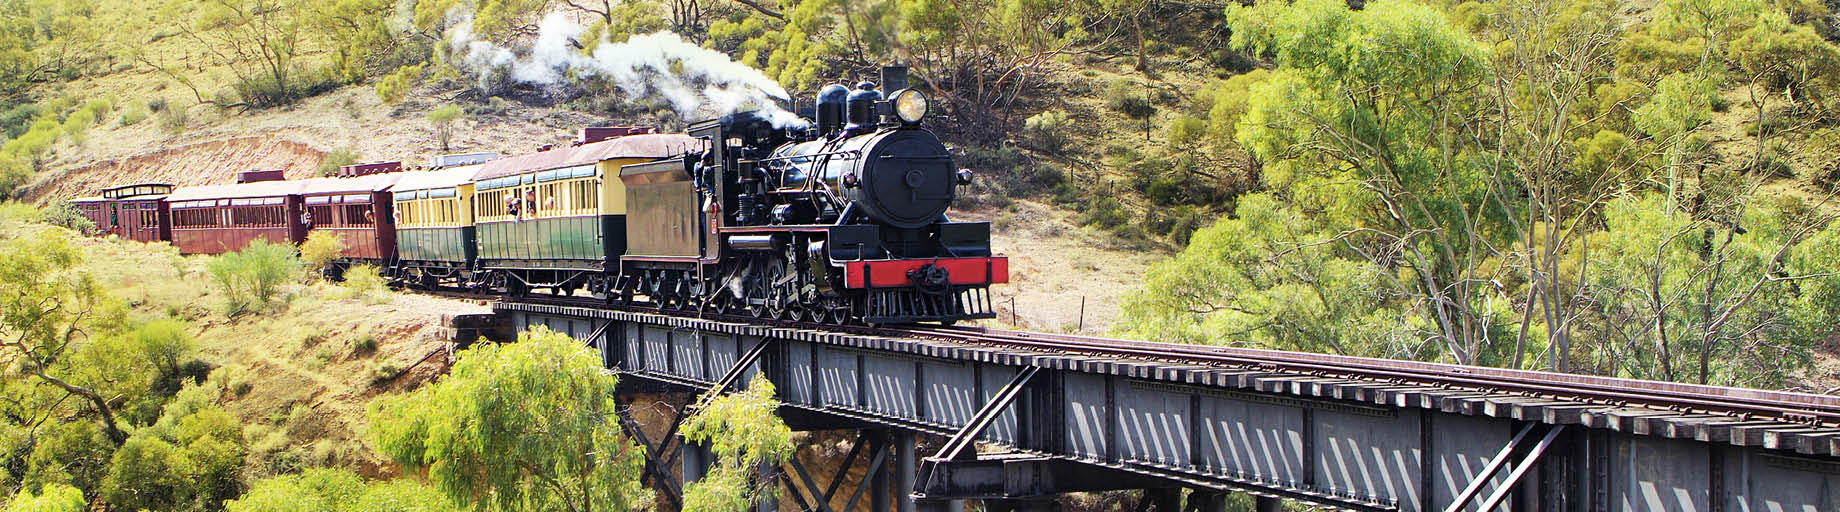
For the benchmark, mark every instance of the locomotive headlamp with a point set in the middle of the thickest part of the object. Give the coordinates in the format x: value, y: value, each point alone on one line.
x: 909, y: 105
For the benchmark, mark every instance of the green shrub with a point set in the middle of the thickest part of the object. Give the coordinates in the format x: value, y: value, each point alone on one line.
x: 15, y: 121
x: 15, y: 173
x: 74, y: 452
x: 53, y: 498
x: 66, y: 215
x: 1185, y: 131
x: 363, y: 282
x: 98, y: 107
x: 156, y: 105
x: 443, y: 119
x: 394, y: 86
x: 174, y: 120
x: 35, y: 142
x: 320, y: 248
x: 1105, y: 212
x: 1164, y: 191
x: 190, y: 459
x: 1049, y: 130
x: 1119, y: 92
x: 315, y: 489
x: 77, y: 124
x: 338, y: 490
x: 250, y: 277
x: 321, y: 358
x: 331, y: 161
x: 147, y: 473
x: 168, y: 349
x: 383, y: 372
x: 132, y: 117
x: 365, y: 345
x: 1184, y: 222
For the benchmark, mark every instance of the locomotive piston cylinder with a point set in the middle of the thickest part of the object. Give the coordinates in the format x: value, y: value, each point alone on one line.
x: 753, y: 243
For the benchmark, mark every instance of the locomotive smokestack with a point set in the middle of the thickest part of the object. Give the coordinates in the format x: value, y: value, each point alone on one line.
x: 894, y: 78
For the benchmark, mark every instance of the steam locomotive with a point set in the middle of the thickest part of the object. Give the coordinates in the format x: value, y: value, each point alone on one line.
x: 839, y: 219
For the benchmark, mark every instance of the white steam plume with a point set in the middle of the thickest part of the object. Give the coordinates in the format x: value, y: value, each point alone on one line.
x: 695, y: 81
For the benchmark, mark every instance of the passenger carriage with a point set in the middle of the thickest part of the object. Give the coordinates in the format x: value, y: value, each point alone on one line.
x: 557, y: 219
x: 136, y: 212
x: 359, y: 210
x: 226, y: 218
x: 435, y: 236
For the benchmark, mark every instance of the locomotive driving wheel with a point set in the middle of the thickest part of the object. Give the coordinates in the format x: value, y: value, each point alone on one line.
x: 764, y: 299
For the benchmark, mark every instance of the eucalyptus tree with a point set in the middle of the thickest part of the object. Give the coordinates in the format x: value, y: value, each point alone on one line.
x: 521, y: 426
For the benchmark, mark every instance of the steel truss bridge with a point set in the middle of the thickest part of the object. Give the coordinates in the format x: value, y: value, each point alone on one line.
x: 943, y: 415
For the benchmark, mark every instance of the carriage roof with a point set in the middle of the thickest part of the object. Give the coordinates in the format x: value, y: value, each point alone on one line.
x: 440, y: 178
x: 237, y: 191
x: 648, y: 146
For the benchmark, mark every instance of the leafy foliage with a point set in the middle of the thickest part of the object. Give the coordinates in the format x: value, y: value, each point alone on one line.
x: 1571, y: 218
x: 191, y: 458
x: 1050, y: 130
x: 443, y: 120
x: 320, y: 248
x: 744, y: 431
x: 54, y: 498
x: 48, y: 309
x: 472, y: 431
x: 250, y: 278
x: 337, y: 490
x: 364, y: 282
x: 65, y: 215
x: 394, y: 86
x: 330, y: 162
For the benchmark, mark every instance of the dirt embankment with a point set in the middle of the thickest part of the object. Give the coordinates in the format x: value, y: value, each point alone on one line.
x: 203, y: 163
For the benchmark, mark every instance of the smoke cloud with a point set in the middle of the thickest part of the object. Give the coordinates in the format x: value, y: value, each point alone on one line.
x: 697, y: 82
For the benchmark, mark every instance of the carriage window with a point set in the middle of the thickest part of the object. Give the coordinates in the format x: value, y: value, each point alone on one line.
x: 587, y: 197
x: 256, y: 216
x: 321, y: 214
x: 546, y: 199
x: 491, y: 204
x: 357, y: 215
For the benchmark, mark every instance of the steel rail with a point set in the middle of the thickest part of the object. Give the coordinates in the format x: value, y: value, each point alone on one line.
x: 1786, y: 406
x: 1804, y: 408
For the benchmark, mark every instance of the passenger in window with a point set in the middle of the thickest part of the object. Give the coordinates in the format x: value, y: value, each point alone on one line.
x: 511, y: 205
x: 530, y: 198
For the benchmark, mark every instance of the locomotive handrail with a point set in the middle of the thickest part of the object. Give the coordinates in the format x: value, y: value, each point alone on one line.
x: 850, y: 152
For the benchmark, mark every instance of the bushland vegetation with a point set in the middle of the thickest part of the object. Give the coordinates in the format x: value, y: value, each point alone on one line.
x: 1575, y: 185
x: 1540, y: 184
x: 112, y: 404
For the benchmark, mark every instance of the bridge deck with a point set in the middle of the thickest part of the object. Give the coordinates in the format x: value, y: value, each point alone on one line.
x: 1359, y: 444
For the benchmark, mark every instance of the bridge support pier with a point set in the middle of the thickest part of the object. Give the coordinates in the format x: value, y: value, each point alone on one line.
x: 904, y: 466
x: 1200, y: 500
x: 1267, y: 504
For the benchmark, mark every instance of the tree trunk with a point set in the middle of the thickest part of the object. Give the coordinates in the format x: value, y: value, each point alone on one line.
x: 102, y: 405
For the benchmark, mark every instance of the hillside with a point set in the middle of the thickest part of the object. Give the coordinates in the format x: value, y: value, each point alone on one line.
x: 1330, y: 193
x: 296, y: 379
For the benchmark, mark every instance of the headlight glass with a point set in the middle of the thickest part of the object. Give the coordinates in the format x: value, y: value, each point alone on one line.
x: 909, y: 105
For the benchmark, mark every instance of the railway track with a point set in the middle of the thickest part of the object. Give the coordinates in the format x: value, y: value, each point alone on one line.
x: 1741, y: 403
